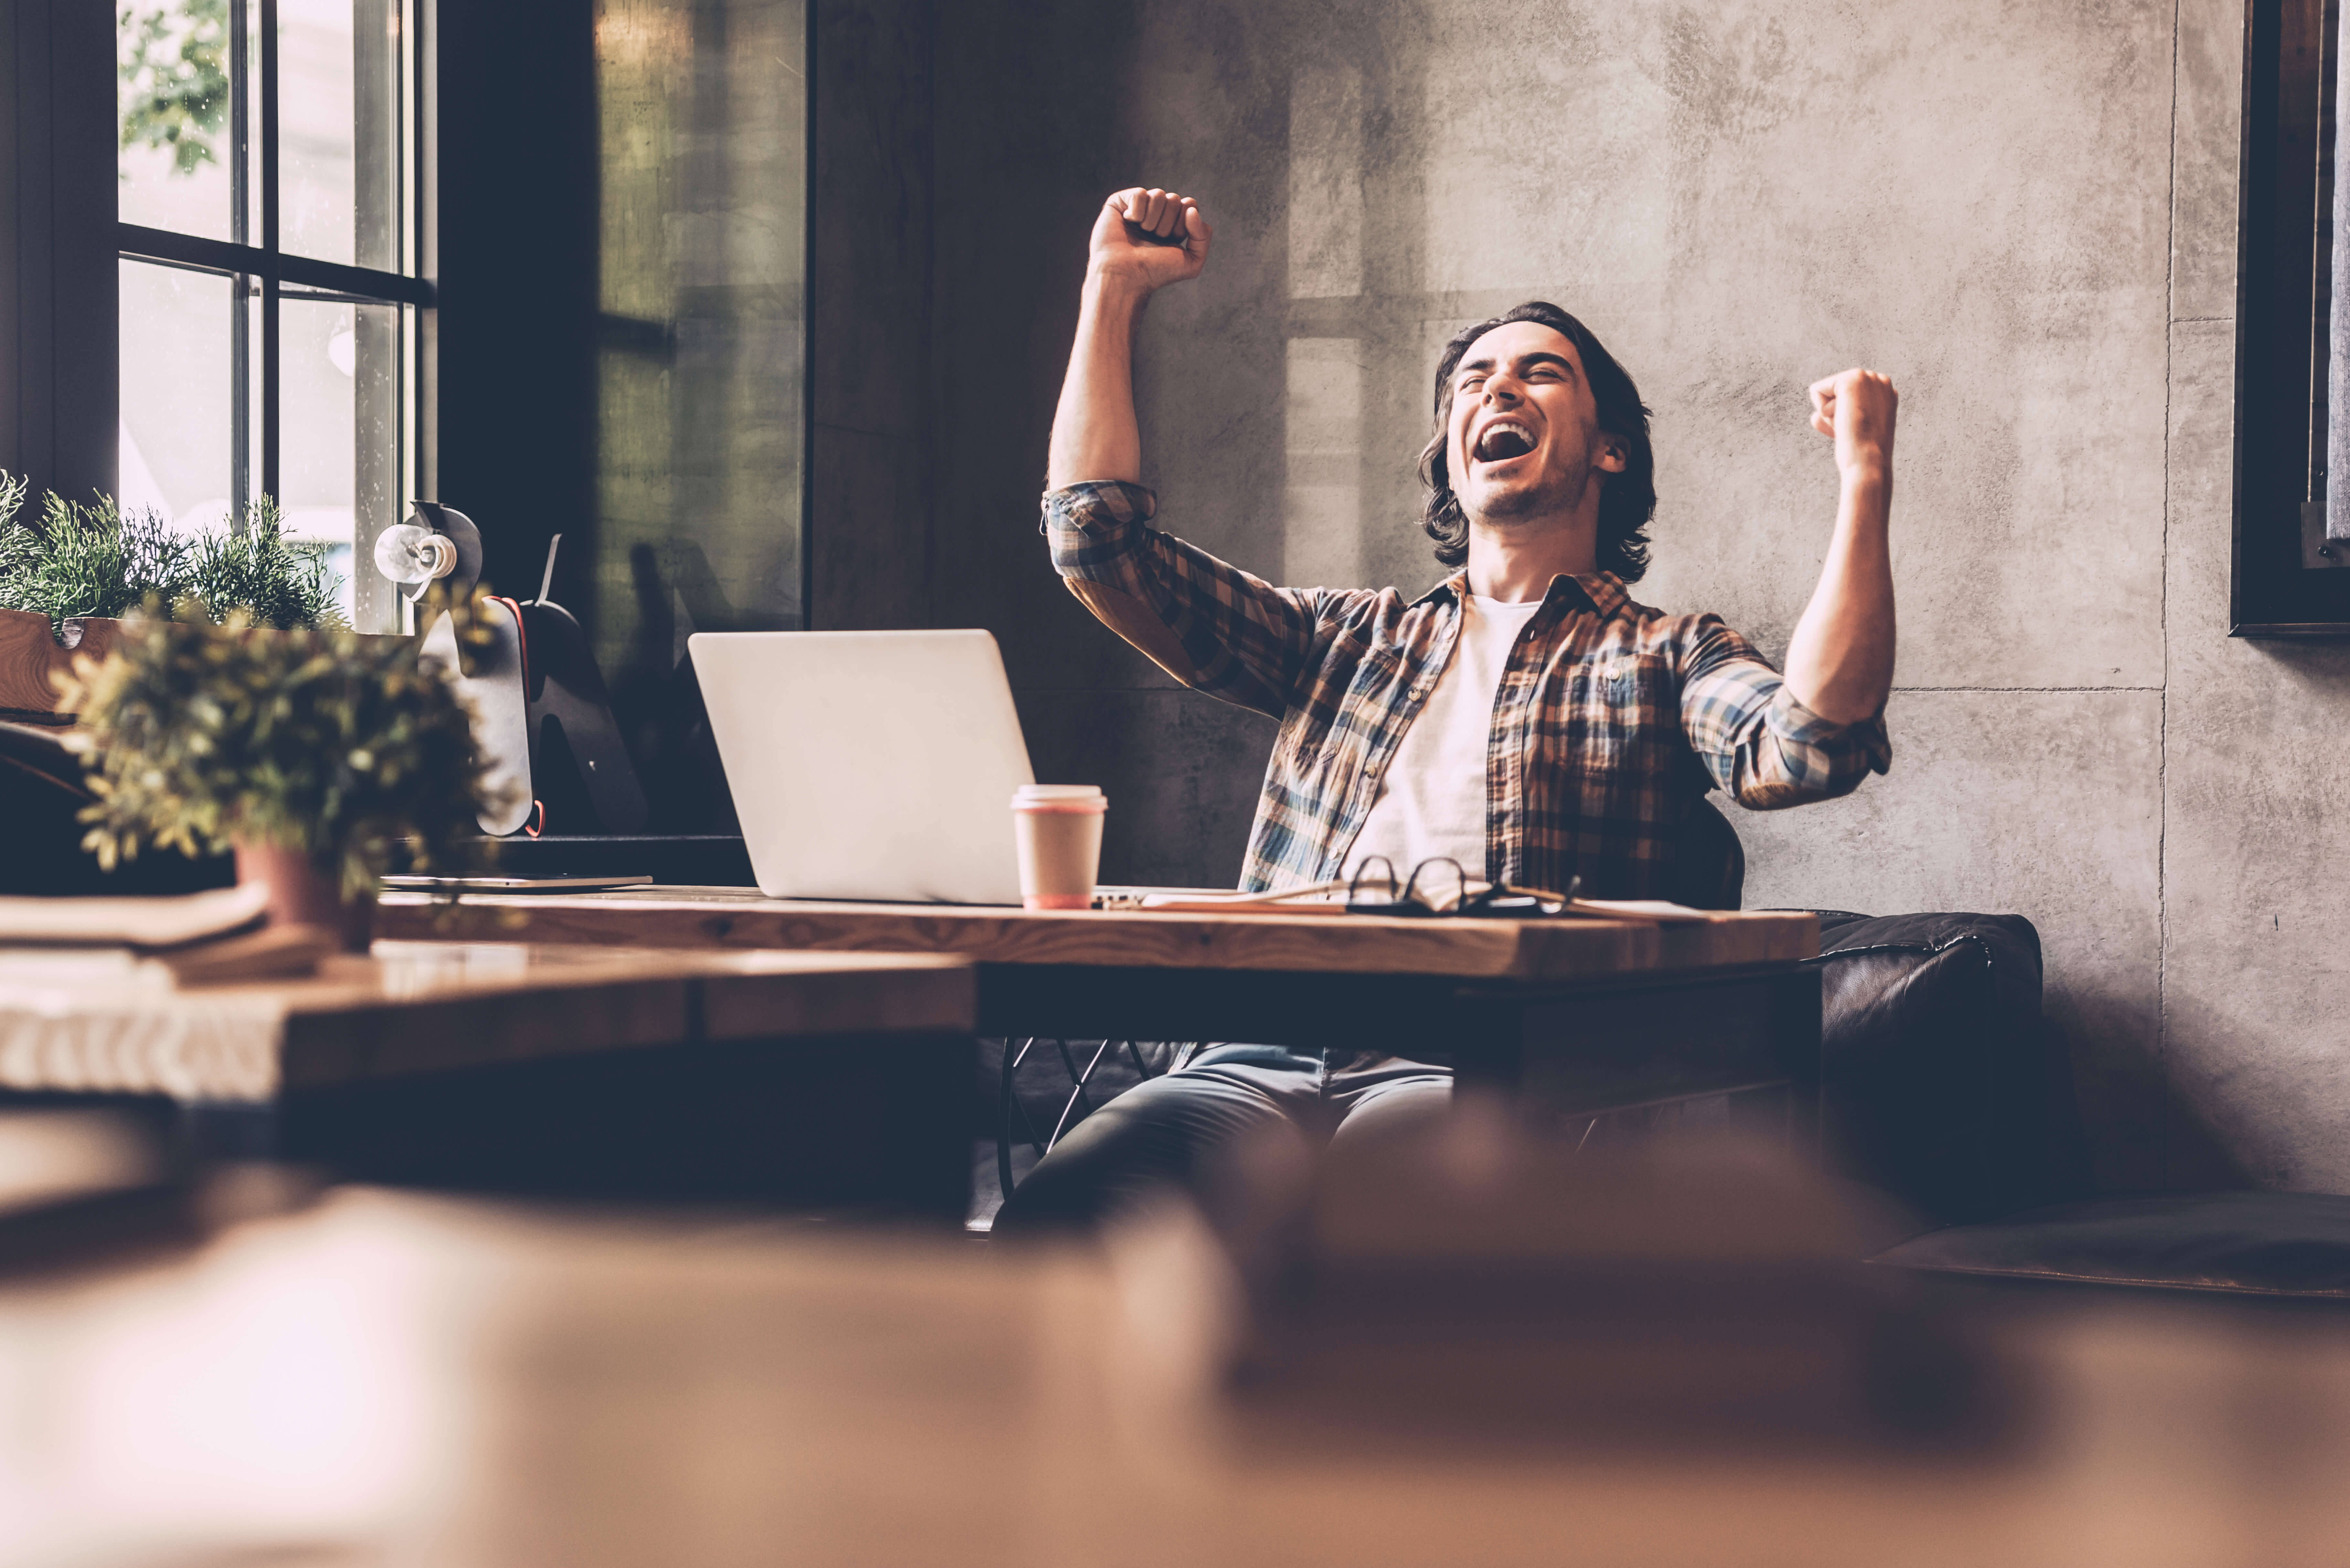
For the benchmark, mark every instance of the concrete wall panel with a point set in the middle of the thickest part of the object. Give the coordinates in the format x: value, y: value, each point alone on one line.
x: 2256, y: 848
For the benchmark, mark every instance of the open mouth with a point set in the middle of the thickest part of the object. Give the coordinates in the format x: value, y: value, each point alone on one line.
x: 1503, y: 440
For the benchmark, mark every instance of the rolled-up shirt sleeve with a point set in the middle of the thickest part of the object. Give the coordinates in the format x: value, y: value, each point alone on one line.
x: 1763, y: 748
x: 1245, y: 640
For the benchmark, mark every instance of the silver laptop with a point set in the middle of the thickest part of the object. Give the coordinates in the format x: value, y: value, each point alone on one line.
x: 868, y: 765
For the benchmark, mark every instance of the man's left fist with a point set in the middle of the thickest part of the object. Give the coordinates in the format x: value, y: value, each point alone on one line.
x: 1858, y: 409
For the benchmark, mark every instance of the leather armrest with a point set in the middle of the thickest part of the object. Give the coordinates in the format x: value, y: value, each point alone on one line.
x: 1942, y: 1085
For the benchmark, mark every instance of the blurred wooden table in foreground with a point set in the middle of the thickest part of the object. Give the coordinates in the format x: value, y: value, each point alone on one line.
x: 829, y: 1077
x: 393, y: 1380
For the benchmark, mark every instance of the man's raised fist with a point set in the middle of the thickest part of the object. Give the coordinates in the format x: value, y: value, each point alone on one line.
x: 1858, y: 409
x: 1150, y: 238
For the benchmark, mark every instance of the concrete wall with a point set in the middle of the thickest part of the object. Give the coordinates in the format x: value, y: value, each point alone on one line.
x: 2025, y: 214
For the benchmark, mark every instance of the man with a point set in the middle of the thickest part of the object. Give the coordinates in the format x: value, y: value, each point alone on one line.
x: 1525, y: 718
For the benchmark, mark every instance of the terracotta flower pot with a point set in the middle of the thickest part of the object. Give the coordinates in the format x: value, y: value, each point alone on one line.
x: 302, y: 893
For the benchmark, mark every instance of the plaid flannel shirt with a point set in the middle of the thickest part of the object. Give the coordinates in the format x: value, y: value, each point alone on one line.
x: 1612, y: 719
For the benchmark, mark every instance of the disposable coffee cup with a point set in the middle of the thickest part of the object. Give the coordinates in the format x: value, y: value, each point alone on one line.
x: 1059, y: 829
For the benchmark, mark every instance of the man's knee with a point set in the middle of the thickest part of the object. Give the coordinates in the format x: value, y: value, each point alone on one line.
x: 1158, y: 1134
x: 1396, y: 1108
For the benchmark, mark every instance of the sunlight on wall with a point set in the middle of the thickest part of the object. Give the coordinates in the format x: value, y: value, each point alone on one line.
x: 1322, y: 503
x: 1322, y: 499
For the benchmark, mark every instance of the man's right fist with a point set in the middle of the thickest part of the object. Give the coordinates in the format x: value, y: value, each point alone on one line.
x: 1858, y: 409
x: 1150, y: 238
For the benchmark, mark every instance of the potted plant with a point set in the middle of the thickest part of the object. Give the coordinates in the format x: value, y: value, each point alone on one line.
x: 319, y: 757
x: 69, y: 572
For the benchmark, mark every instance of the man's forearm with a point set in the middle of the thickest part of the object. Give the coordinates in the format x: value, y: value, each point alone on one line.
x: 1095, y: 433
x: 1840, y: 660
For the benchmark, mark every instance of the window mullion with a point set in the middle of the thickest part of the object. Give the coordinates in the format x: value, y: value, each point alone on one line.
x: 240, y: 328
x: 269, y: 275
x: 240, y: 122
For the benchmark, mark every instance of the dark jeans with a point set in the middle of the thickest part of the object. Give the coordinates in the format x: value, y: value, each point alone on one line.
x: 1170, y: 1130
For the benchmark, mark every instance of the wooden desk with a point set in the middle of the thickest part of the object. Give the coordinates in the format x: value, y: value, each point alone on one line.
x: 439, y: 1007
x: 1574, y: 1015
x: 721, y: 920
x: 537, y: 1067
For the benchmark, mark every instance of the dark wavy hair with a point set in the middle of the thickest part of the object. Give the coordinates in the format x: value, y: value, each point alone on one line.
x: 1626, y: 500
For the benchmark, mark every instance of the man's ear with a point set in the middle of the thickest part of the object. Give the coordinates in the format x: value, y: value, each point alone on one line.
x: 1613, y: 455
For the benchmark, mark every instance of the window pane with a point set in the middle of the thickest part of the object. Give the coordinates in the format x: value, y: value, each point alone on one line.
x: 342, y: 398
x: 178, y: 393
x: 338, y: 130
x: 176, y: 123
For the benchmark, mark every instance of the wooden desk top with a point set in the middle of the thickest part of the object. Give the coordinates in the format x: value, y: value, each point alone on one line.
x: 733, y: 918
x: 92, y: 1024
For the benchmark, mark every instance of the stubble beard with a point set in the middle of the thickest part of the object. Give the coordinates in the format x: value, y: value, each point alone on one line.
x: 1502, y: 508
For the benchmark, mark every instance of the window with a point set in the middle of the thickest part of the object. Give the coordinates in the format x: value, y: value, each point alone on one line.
x: 271, y: 233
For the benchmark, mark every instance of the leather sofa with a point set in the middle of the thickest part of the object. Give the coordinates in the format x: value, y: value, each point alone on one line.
x: 1944, y: 1088
x: 1941, y: 1083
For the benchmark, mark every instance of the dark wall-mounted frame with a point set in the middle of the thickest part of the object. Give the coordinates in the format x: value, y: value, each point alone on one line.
x: 2286, y: 581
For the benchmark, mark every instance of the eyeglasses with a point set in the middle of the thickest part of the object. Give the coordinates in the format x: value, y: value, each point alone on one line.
x: 1494, y: 900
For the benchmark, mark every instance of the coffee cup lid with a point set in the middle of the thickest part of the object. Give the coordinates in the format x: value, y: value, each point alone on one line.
x: 1058, y: 791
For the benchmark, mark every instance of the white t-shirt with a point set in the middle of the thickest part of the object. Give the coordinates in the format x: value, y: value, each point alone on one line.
x: 1432, y: 801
